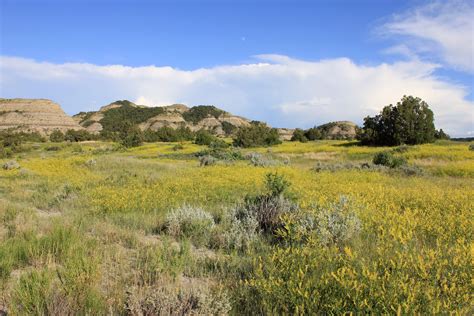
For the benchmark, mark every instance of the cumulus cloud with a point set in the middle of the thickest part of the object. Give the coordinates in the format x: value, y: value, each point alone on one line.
x: 278, y: 89
x: 443, y: 28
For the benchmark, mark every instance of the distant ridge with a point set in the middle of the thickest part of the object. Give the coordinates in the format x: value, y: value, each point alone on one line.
x: 34, y: 115
x: 174, y: 116
x: 45, y: 116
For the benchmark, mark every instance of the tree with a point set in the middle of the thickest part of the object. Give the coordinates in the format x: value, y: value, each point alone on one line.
x: 256, y: 134
x: 313, y: 133
x: 441, y: 135
x: 204, y: 137
x: 133, y: 137
x: 299, y: 136
x: 409, y: 122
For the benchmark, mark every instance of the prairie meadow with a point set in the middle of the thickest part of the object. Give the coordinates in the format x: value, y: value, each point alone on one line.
x: 179, y: 228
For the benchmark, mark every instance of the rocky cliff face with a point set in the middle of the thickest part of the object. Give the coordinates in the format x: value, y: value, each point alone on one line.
x: 173, y: 116
x: 34, y: 115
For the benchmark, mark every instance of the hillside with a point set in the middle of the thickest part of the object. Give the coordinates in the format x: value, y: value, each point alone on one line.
x: 45, y: 116
x: 333, y: 130
x: 195, y: 118
x: 174, y: 116
x: 34, y: 115
x: 339, y: 130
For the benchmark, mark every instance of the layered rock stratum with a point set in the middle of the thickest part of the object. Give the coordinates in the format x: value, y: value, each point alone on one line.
x: 34, y: 115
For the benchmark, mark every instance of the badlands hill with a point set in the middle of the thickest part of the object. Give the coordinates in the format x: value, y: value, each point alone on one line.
x: 174, y: 116
x: 332, y: 130
x: 339, y: 130
x: 44, y: 116
x: 34, y: 115
x: 206, y: 117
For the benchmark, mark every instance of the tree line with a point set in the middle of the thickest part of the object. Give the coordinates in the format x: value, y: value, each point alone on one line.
x: 410, y: 121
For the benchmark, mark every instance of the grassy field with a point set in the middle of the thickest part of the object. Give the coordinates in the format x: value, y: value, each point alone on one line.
x: 91, y: 228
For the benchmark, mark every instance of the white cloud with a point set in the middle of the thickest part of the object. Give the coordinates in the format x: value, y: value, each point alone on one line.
x: 278, y: 89
x: 443, y: 28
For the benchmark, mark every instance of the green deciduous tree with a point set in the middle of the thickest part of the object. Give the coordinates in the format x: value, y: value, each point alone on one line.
x: 409, y: 122
x: 256, y: 134
x: 299, y: 136
x: 133, y: 137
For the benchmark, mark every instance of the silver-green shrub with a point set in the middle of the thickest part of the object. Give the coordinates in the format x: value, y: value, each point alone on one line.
x: 241, y: 228
x: 336, y: 223
x: 259, y: 160
x: 207, y: 160
x: 190, y: 222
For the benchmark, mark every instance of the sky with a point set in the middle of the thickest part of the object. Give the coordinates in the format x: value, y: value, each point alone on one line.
x: 289, y: 63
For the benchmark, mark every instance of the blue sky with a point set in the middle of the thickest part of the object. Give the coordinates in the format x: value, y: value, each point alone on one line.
x: 291, y: 63
x: 191, y: 34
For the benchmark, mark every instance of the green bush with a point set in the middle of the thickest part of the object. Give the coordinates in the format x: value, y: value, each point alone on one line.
x: 204, y: 137
x: 221, y: 153
x: 385, y: 158
x: 5, y: 152
x: 12, y: 142
x: 271, y: 205
x: 276, y: 184
x: 57, y: 136
x: 218, y: 144
x: 398, y: 162
x: 255, y: 135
